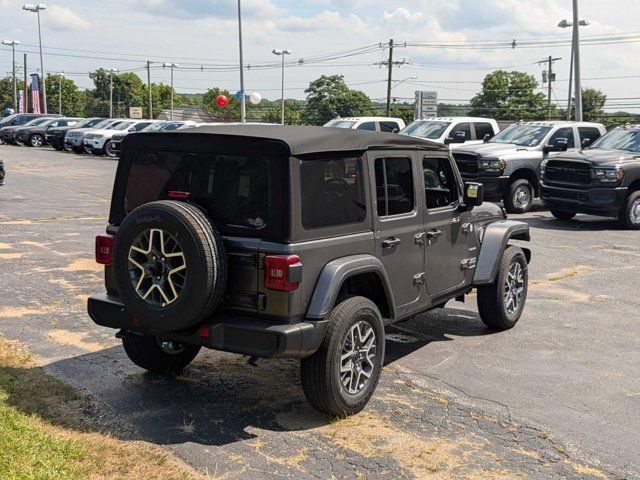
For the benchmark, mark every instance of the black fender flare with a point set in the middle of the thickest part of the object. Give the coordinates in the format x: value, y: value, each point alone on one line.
x: 335, y: 273
x: 495, y: 239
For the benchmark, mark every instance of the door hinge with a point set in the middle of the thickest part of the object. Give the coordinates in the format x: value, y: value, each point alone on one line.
x: 467, y: 228
x: 418, y: 279
x: 419, y: 238
x: 468, y: 263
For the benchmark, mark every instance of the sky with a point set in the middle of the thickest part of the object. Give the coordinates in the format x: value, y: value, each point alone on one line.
x: 82, y: 35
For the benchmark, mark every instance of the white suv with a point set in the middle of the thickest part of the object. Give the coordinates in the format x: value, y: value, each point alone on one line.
x: 95, y: 140
x: 453, y: 130
x: 374, y: 124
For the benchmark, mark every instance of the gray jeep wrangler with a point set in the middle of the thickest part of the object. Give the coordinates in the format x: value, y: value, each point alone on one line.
x: 299, y: 242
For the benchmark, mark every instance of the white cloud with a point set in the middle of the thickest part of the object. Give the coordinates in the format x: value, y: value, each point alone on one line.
x: 63, y: 18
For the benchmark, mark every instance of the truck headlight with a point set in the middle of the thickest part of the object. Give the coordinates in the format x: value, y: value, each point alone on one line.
x: 609, y: 175
x: 492, y: 165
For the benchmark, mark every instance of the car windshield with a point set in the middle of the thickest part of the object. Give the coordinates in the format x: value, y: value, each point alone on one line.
x: 619, y: 139
x: 340, y: 124
x: 124, y: 125
x: 103, y: 124
x: 48, y: 122
x: 167, y: 127
x: 36, y: 121
x: 112, y: 126
x: 82, y: 122
x: 154, y: 127
x: 522, y: 135
x: 426, y: 129
x: 8, y: 119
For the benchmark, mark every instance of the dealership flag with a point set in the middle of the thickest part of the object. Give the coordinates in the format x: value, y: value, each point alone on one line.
x: 35, y: 92
x: 21, y: 97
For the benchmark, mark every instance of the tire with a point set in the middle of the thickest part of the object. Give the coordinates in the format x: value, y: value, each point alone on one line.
x: 36, y: 140
x: 98, y: 152
x: 320, y: 373
x: 492, y: 305
x: 111, y: 153
x: 629, y: 216
x: 57, y: 147
x: 174, y: 289
x: 563, y: 215
x: 519, y: 196
x: 78, y: 150
x: 157, y: 356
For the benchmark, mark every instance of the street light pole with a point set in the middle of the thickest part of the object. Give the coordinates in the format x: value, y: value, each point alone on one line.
x: 283, y: 53
x: 111, y: 72
x: 60, y: 77
x: 172, y: 66
x: 12, y: 44
x: 574, y: 72
x: 243, y: 100
x: 37, y: 9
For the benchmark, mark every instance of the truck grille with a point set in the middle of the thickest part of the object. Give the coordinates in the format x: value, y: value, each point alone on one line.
x: 567, y: 172
x: 467, y: 163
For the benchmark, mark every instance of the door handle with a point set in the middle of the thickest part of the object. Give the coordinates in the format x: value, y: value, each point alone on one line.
x: 391, y: 242
x: 433, y: 234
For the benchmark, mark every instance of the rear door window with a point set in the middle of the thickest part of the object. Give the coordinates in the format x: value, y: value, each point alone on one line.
x: 332, y: 192
x: 482, y: 129
x: 389, y: 127
x: 367, y: 126
x: 588, y: 135
x: 394, y: 186
x: 462, y: 127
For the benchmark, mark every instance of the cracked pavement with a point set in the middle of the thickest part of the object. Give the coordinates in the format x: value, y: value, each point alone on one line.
x: 556, y: 397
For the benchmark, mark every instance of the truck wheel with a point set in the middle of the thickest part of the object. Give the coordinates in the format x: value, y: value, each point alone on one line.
x: 169, y: 265
x: 341, y: 376
x: 563, y: 215
x: 36, y: 140
x: 629, y: 216
x: 501, y: 303
x: 158, y: 355
x: 519, y: 196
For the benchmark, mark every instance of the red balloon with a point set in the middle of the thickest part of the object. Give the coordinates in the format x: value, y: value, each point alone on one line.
x: 222, y: 101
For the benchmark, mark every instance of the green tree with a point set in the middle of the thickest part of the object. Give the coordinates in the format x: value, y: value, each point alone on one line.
x: 292, y: 114
x: 593, y: 102
x: 72, y: 104
x: 161, y: 98
x: 230, y: 113
x: 329, y: 97
x: 6, y: 92
x: 128, y: 91
x: 509, y: 96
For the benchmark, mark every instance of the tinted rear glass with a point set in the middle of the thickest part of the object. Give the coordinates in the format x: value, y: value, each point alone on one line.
x: 234, y: 190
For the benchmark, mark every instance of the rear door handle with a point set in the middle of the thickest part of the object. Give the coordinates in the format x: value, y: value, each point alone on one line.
x: 391, y: 242
x: 433, y: 234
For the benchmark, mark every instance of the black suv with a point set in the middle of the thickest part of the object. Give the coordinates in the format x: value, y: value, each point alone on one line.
x: 34, y: 135
x: 300, y: 242
x: 10, y: 124
x: 603, y: 179
x: 55, y: 136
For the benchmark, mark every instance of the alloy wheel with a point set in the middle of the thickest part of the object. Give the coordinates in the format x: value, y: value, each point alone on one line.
x: 634, y: 212
x: 157, y: 267
x: 36, y: 141
x: 357, y: 357
x: 513, y: 288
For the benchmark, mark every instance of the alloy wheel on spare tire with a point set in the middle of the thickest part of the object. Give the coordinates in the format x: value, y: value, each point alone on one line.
x: 169, y: 265
x: 519, y: 196
x: 36, y: 140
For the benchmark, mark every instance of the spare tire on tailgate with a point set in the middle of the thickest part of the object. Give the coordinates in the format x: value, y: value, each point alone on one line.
x: 170, y: 265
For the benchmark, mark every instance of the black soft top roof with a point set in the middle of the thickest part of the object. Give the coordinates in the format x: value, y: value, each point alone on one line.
x: 298, y: 140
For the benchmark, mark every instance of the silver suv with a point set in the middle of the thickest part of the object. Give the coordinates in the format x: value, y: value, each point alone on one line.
x: 509, y: 164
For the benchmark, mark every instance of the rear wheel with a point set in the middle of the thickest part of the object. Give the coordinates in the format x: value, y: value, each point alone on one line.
x: 563, y: 215
x: 342, y: 375
x: 519, y: 196
x: 629, y: 216
x: 36, y: 140
x: 501, y: 303
x: 158, y: 355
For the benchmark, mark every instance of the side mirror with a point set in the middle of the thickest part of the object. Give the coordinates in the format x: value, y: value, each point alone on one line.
x: 487, y: 137
x: 586, y: 142
x: 458, y: 137
x: 395, y: 130
x: 560, y: 145
x: 132, y: 129
x: 473, y: 194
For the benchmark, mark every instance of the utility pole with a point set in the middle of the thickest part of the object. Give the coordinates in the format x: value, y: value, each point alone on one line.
x: 576, y: 61
x: 551, y: 77
x: 60, y: 77
x: 25, y: 96
x: 111, y: 72
x: 243, y: 99
x: 570, y: 85
x: 12, y: 44
x: 149, y: 87
x: 389, y: 64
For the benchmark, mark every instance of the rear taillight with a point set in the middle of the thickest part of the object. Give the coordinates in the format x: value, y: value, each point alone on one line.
x: 104, y: 249
x: 173, y: 195
x: 282, y: 273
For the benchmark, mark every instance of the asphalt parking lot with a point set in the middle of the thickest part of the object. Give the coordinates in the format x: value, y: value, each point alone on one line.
x: 556, y: 397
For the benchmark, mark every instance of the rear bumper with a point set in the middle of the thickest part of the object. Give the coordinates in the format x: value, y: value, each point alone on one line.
x: 494, y: 187
x: 246, y: 336
x: 603, y: 201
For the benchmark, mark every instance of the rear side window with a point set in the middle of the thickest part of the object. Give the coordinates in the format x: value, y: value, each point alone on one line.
x: 367, y: 126
x: 588, y: 135
x: 482, y: 129
x: 463, y: 127
x: 332, y: 192
x: 567, y: 133
x: 389, y: 127
x: 394, y: 186
x: 234, y: 190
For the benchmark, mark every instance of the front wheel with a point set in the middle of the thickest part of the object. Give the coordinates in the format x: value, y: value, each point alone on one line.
x: 563, y: 215
x: 629, y: 216
x: 158, y: 355
x: 36, y: 140
x: 341, y: 376
x: 519, y: 196
x: 501, y: 303
x: 111, y: 151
